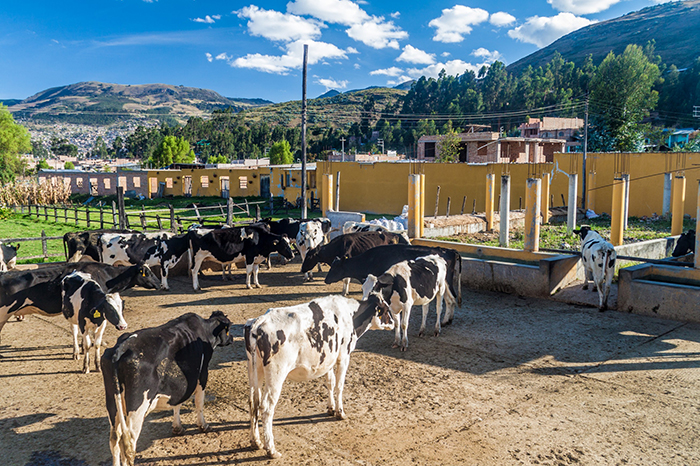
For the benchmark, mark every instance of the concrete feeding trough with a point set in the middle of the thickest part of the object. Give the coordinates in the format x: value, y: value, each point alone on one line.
x: 512, y: 271
x: 666, y: 291
x: 466, y: 224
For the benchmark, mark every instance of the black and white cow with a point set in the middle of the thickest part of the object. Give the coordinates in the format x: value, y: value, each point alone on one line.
x: 250, y: 244
x: 300, y: 343
x: 378, y: 260
x: 79, y: 244
x: 349, y: 245
x: 598, y: 262
x: 310, y: 236
x: 685, y: 244
x: 88, y: 309
x: 8, y: 256
x: 353, y: 227
x: 410, y: 282
x: 158, y: 367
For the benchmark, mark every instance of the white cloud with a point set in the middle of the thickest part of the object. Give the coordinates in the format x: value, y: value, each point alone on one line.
x: 452, y: 67
x: 457, y: 21
x: 399, y: 80
x: 292, y: 59
x: 582, y: 7
x: 377, y: 34
x: 395, y: 14
x: 487, y: 55
x: 224, y: 56
x: 501, y: 18
x: 278, y: 26
x: 331, y: 11
x: 208, y: 19
x: 356, y: 66
x: 411, y: 54
x: 445, y: 54
x: 393, y: 71
x: 351, y: 50
x: 209, y: 57
x: 332, y: 83
x: 542, y: 30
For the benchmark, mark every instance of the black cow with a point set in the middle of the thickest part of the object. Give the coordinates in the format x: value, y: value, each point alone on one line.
x: 252, y: 244
x: 85, y: 243
x: 381, y: 258
x: 685, y: 244
x: 165, y: 364
x: 8, y: 256
x: 350, y: 245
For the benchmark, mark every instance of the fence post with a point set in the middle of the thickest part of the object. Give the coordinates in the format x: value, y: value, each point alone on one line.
x: 65, y: 214
x: 44, y: 246
x: 247, y: 208
x: 173, y: 225
x: 46, y: 214
x: 229, y: 211
x: 102, y: 218
x: 123, y: 221
x: 87, y: 216
x: 196, y: 212
x: 257, y: 212
x: 337, y: 191
x: 22, y: 208
x: 143, y: 218
x: 55, y: 214
x: 115, y: 222
x: 76, y: 216
x: 449, y: 201
x: 160, y: 224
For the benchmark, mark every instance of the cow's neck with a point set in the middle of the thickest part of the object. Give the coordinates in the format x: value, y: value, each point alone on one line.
x: 362, y: 319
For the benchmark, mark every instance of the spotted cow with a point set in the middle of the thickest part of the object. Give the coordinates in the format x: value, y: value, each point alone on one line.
x: 598, y: 262
x: 8, y: 256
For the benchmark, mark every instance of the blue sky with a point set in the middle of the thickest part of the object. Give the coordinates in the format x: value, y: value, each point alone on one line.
x: 254, y: 49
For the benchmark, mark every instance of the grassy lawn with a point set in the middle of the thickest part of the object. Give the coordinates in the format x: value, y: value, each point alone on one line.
x: 21, y: 226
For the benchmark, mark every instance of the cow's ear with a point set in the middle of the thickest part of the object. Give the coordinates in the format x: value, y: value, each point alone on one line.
x: 18, y: 244
x: 385, y: 279
x: 275, y: 242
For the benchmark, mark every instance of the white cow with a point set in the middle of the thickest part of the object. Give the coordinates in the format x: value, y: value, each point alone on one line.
x: 410, y: 282
x: 300, y: 343
x: 310, y: 236
x: 352, y: 227
x: 598, y: 262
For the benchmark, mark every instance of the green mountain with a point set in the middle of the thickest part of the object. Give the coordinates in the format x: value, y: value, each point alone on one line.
x: 99, y: 103
x: 674, y: 26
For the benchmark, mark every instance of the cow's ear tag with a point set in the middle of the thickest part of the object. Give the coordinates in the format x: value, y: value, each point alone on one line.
x: 143, y: 273
x: 97, y: 314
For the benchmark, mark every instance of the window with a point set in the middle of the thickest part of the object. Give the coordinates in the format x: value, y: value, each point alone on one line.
x: 429, y: 149
x: 312, y: 180
x: 204, y: 180
x: 282, y: 181
x: 168, y: 182
x: 154, y: 184
x: 79, y: 182
x: 121, y: 181
x: 243, y: 182
x: 137, y: 182
x: 108, y: 183
x: 288, y: 179
x: 561, y: 133
x: 66, y: 182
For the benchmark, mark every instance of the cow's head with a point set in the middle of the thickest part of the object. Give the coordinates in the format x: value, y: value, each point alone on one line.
x: 583, y: 231
x: 378, y: 285
x: 335, y: 274
x: 283, y: 247
x: 381, y: 315
x: 146, y: 278
x: 222, y: 328
x: 685, y: 244
x: 112, y: 308
x: 311, y: 259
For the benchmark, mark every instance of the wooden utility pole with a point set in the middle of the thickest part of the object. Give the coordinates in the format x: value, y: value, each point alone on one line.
x: 303, y: 134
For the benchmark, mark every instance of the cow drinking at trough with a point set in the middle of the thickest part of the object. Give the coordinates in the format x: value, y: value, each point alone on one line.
x: 349, y: 245
x: 410, y: 282
x: 301, y: 343
x: 250, y: 244
x: 685, y: 244
x: 598, y: 262
x: 158, y: 367
x: 88, y: 309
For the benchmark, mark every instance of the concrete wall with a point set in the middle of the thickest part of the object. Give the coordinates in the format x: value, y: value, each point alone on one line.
x: 100, y: 183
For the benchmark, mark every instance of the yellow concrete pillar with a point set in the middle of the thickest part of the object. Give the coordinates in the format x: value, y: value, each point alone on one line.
x: 617, y: 222
x: 533, y: 194
x: 490, y: 192
x: 545, y: 197
x: 414, y: 204
x: 421, y: 211
x: 590, y: 195
x: 678, y: 204
x: 326, y: 192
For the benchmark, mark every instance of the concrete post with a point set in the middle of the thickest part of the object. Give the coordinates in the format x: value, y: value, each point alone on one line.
x: 678, y: 203
x: 414, y: 202
x: 532, y: 214
x: 626, y: 178
x: 572, y: 204
x: 503, y: 239
x: 545, y: 197
x: 618, y: 211
x: 668, y: 184
x: 421, y: 211
x: 490, y: 188
x: 590, y: 195
x: 326, y: 193
x: 697, y: 228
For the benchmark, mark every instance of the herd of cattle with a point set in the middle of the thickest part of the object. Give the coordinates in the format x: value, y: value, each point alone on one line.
x: 166, y: 365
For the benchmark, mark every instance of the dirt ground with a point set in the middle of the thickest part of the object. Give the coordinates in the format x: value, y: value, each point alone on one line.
x: 512, y: 381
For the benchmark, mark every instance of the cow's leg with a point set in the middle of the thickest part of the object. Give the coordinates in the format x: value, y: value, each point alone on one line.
x: 346, y: 286
x: 397, y: 328
x: 271, y: 394
x: 199, y: 409
x: 404, y: 323
x: 177, y: 424
x: 426, y: 308
x: 248, y: 273
x: 198, y: 260
x: 76, y: 347
x: 330, y: 385
x: 134, y: 422
x: 164, y: 277
x: 256, y: 269
x: 450, y: 305
x: 588, y: 275
x: 255, y: 377
x: 86, y: 349
x: 99, y: 333
x: 341, y: 369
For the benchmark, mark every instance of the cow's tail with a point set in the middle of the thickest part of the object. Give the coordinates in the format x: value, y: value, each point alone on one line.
x: 65, y: 249
x: 458, y: 279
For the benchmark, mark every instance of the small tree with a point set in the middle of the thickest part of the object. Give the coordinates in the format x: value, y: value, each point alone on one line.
x: 172, y: 150
x: 281, y: 153
x: 448, y: 147
x: 42, y: 165
x: 69, y: 165
x: 14, y: 140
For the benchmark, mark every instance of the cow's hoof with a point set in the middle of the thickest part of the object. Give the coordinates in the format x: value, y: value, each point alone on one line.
x: 584, y: 287
x: 255, y: 444
x: 437, y: 333
x: 330, y: 411
x: 395, y: 345
x: 75, y: 357
x: 178, y: 430
x: 340, y: 415
x: 421, y: 333
x: 205, y: 428
x: 403, y: 348
x: 274, y: 454
x: 249, y: 287
x: 258, y: 286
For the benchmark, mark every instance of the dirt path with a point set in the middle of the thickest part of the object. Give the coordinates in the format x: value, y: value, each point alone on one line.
x: 512, y: 381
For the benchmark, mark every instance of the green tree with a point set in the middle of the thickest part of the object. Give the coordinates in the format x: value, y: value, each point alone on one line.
x: 173, y: 149
x: 99, y: 150
x: 14, y: 140
x: 61, y: 146
x: 42, y: 165
x: 621, y: 96
x: 217, y: 159
x: 69, y: 165
x: 448, y: 147
x: 118, y: 149
x: 281, y: 153
x: 39, y: 150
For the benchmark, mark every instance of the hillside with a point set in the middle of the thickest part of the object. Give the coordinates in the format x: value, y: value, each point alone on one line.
x: 98, y: 103
x: 673, y: 25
